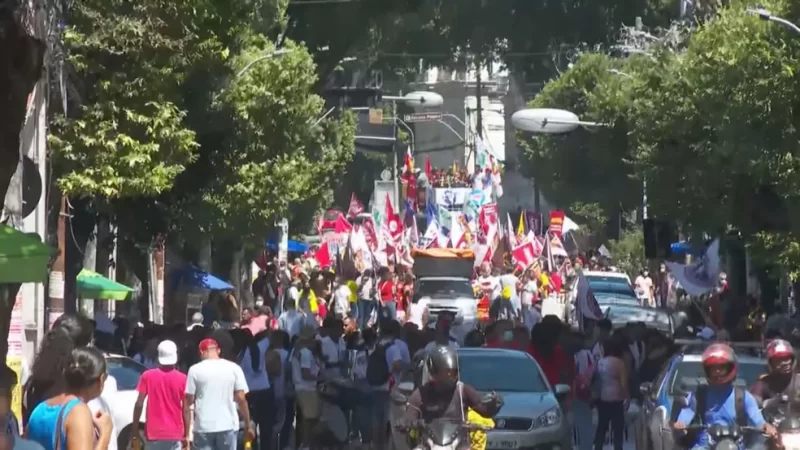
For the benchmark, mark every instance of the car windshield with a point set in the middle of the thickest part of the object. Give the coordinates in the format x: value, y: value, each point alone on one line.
x: 624, y: 314
x: 518, y: 374
x: 622, y: 288
x: 690, y: 374
x: 615, y: 299
x: 126, y: 372
x: 445, y: 288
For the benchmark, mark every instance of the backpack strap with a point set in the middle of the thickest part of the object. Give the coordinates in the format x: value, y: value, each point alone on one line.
x: 701, y: 396
x: 738, y: 401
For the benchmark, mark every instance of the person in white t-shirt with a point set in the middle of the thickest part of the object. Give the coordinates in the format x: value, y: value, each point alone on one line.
x: 511, y: 281
x: 487, y: 283
x: 216, y: 387
x: 644, y: 288
x: 341, y: 299
x: 418, y: 312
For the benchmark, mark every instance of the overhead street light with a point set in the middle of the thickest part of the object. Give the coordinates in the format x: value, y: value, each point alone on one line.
x: 278, y: 52
x: 424, y: 99
x: 549, y: 121
x: 764, y: 14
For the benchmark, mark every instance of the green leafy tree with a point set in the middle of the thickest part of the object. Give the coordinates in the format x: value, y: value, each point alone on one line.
x: 282, y: 158
x: 627, y: 252
x: 587, y: 165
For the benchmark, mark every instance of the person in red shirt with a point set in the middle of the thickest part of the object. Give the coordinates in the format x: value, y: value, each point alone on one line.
x: 164, y: 388
x: 386, y: 290
x: 547, y: 351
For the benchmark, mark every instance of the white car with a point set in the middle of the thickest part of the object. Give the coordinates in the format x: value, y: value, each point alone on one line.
x: 120, y: 402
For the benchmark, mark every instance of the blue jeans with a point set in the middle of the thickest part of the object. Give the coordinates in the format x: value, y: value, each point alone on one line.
x: 365, y: 308
x: 354, y: 310
x: 372, y: 412
x: 389, y: 310
x: 583, y: 426
x: 220, y: 440
x: 164, y: 445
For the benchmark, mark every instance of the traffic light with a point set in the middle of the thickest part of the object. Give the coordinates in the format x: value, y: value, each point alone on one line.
x: 658, y: 238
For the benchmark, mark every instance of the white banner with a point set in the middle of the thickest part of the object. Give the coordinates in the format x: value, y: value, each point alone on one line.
x: 451, y: 197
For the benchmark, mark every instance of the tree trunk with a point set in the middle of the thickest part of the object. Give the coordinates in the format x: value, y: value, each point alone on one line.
x: 21, y: 59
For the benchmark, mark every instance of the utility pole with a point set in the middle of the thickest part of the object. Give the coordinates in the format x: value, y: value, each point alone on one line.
x: 479, y: 102
x: 56, y: 283
x: 394, y: 155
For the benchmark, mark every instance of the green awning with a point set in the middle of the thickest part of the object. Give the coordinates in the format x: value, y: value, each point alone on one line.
x: 24, y: 258
x: 93, y: 285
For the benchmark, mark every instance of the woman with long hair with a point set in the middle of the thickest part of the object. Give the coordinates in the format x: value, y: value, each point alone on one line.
x: 612, y: 375
x: 64, y: 421
x: 261, y: 397
x: 69, y: 332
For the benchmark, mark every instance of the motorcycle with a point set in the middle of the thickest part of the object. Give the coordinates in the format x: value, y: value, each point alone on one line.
x: 338, y: 400
x: 778, y: 412
x: 723, y: 437
x: 443, y: 434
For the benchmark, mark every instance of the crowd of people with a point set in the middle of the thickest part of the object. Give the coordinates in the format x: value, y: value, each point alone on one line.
x: 254, y: 376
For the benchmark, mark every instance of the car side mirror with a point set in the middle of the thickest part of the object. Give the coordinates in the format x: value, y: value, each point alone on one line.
x: 561, y: 390
x: 399, y: 398
x: 681, y: 401
x: 646, y: 389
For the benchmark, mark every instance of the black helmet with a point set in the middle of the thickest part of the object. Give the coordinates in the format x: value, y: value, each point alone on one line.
x: 442, y: 364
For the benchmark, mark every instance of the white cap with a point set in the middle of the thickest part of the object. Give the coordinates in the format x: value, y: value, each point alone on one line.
x: 167, y: 353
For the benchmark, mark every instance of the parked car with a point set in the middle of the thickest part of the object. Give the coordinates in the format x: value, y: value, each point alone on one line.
x: 531, y: 416
x: 126, y: 372
x: 680, y: 375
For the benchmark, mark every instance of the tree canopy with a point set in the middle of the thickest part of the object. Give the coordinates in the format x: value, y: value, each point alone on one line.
x: 163, y: 126
x: 710, y: 128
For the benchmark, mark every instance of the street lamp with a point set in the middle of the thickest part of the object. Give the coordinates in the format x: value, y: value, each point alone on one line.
x: 424, y: 99
x: 763, y: 14
x: 278, y: 52
x: 549, y: 121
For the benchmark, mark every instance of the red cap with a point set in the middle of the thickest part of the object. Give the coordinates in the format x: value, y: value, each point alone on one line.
x: 206, y: 344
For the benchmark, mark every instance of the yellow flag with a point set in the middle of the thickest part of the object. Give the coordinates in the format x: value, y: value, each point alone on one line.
x: 312, y: 301
x: 521, y: 226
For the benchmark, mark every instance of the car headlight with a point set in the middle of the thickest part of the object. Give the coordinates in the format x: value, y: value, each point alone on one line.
x: 548, y: 419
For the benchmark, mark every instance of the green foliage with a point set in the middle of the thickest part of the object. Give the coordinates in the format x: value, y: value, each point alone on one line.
x: 589, y: 166
x: 627, y: 253
x: 276, y: 158
x: 591, y: 216
x: 711, y: 128
x: 125, y: 135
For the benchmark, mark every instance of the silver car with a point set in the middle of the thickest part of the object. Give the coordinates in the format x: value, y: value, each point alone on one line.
x: 531, y: 415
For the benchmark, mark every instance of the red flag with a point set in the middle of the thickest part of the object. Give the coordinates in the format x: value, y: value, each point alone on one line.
x: 323, y: 255
x: 389, y: 210
x: 369, y: 233
x: 356, y: 207
x: 428, y: 168
x: 524, y: 255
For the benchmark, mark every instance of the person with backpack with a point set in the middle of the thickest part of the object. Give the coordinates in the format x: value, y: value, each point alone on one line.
x: 384, y: 359
x: 585, y: 368
x: 720, y: 402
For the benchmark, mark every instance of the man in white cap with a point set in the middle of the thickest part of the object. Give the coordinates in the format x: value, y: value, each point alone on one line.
x: 164, y: 388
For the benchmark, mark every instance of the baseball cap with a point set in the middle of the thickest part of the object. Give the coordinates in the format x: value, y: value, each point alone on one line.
x: 207, y: 344
x: 167, y: 353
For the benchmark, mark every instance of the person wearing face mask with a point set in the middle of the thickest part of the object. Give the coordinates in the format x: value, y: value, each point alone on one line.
x: 644, y: 288
x: 443, y: 396
x: 781, y: 366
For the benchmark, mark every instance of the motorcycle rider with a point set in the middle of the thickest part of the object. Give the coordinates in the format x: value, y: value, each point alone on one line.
x: 781, y: 365
x: 442, y: 396
x: 723, y: 404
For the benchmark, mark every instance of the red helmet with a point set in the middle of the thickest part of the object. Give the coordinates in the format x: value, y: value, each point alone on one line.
x: 779, y: 348
x: 717, y: 355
